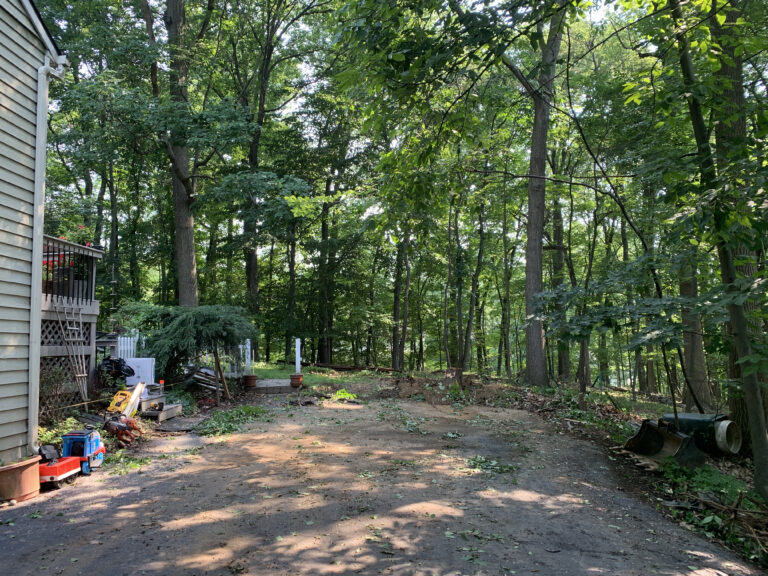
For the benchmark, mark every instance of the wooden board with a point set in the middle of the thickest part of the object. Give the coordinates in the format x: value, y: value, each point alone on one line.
x: 169, y: 411
x: 146, y: 403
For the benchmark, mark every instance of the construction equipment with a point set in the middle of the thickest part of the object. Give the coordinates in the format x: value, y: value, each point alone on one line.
x: 713, y: 433
x: 71, y: 324
x: 660, y: 441
x: 122, y: 427
x: 127, y: 401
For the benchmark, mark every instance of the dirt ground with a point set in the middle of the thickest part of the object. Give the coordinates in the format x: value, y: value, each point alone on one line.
x: 391, y: 486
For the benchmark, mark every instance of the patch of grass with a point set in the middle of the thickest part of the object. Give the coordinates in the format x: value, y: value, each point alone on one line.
x: 232, y: 421
x: 119, y: 463
x: 489, y: 465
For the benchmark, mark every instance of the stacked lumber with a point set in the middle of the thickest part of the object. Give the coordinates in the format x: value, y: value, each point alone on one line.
x: 206, y: 378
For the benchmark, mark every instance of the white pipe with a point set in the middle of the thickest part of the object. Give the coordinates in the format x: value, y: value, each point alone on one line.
x: 298, y: 356
x: 36, y: 286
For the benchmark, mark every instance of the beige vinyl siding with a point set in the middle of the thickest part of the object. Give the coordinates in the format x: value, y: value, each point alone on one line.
x: 22, y: 119
x: 17, y: 13
x: 21, y: 54
x: 16, y: 228
x: 11, y: 284
x: 15, y: 216
x: 14, y: 192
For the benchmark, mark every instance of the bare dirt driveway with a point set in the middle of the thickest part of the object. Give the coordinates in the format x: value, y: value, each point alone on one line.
x: 389, y: 487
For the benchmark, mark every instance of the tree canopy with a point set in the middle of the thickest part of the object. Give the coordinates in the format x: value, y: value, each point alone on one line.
x: 555, y: 192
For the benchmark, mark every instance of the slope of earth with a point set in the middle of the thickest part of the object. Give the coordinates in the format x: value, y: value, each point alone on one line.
x: 389, y: 487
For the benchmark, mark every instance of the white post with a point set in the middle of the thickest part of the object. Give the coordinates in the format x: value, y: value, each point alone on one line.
x: 298, y: 355
x: 248, y: 356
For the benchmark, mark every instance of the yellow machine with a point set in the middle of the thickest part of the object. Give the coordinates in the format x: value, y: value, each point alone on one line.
x: 127, y: 401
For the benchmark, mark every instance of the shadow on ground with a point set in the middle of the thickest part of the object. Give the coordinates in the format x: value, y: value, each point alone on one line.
x: 391, y: 487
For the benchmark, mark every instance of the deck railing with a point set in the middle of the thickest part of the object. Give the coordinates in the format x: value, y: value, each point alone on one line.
x: 69, y: 270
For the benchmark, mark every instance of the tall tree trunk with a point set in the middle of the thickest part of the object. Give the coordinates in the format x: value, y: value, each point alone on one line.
x: 602, y: 359
x: 458, y: 292
x: 535, y: 360
x: 474, y: 294
x: 270, y: 294
x: 406, y: 298
x: 230, y: 272
x: 506, y: 303
x: 325, y: 346
x: 114, y: 232
x: 99, y: 226
x: 290, y: 312
x: 558, y: 279
x: 693, y: 343
x: 642, y: 383
x: 252, y: 285
x: 482, y: 359
x: 583, y: 371
x: 181, y: 181
x: 208, y: 275
x: 370, y: 345
x: 729, y: 132
x: 650, y: 371
x: 396, y: 303
x: 136, y: 217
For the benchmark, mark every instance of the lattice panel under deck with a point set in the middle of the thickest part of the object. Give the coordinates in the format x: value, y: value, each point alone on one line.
x: 50, y: 333
x: 60, y: 393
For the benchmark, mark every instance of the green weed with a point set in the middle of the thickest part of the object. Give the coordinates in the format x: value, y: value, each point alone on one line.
x: 232, y: 421
x: 119, y: 463
x: 489, y: 465
x: 342, y: 395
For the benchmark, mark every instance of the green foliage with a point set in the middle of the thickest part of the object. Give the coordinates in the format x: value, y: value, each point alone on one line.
x: 708, y: 483
x: 175, y: 334
x: 183, y: 397
x: 706, y: 480
x: 52, y: 433
x: 232, y: 421
x: 489, y: 465
x: 342, y: 395
x: 393, y: 412
x: 119, y: 463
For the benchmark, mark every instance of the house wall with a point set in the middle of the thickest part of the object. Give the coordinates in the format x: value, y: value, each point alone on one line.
x: 21, y: 54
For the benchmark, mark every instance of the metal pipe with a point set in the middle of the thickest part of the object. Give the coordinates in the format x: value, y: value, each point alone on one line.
x: 36, y: 281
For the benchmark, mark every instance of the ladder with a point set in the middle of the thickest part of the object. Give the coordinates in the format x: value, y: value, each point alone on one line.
x: 71, y: 324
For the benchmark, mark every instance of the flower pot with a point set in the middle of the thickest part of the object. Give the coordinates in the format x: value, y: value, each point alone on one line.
x: 250, y: 380
x: 20, y: 481
x: 296, y: 380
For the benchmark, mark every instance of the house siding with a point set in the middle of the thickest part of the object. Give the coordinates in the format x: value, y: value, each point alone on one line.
x: 21, y: 53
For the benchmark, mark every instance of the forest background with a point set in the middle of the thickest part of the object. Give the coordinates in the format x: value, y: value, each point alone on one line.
x: 543, y: 191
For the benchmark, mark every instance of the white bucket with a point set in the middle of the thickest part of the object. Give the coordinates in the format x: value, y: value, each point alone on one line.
x: 728, y: 436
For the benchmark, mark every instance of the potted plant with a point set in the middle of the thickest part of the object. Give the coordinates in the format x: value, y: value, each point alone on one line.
x: 250, y: 379
x: 20, y: 480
